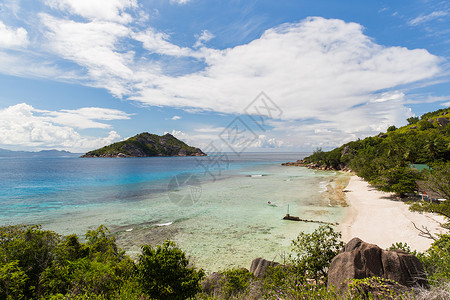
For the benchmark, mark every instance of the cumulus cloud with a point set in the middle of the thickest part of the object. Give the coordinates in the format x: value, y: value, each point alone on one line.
x: 426, y: 18
x: 176, y: 118
x: 317, y: 68
x: 12, y: 37
x: 264, y: 141
x: 23, y: 125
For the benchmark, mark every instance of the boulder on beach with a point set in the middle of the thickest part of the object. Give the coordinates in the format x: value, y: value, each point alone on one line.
x: 260, y: 265
x: 358, y: 260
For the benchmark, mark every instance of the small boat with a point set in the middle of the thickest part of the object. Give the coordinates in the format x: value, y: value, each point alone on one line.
x: 270, y: 203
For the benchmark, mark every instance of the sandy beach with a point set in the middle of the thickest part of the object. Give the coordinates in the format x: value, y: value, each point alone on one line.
x: 375, y: 217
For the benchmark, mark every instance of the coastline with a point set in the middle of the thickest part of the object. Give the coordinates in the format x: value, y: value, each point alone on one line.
x: 376, y: 218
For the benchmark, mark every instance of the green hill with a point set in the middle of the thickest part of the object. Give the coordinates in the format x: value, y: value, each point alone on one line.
x: 384, y: 160
x: 146, y: 144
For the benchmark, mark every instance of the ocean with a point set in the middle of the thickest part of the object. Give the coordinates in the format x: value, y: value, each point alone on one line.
x: 216, y: 208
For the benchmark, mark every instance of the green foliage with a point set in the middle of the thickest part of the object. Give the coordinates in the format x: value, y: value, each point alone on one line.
x: 235, y: 282
x: 400, y: 180
x: 402, y: 246
x: 12, y: 281
x: 313, y: 252
x: 436, y: 260
x: 384, y: 160
x: 391, y: 128
x: 412, y: 120
x: 375, y: 288
x: 164, y: 272
x: 37, y: 263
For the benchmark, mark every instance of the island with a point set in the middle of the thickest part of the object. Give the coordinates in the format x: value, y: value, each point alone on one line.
x: 145, y: 145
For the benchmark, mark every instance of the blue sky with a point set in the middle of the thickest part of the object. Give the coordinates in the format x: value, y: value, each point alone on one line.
x: 80, y: 74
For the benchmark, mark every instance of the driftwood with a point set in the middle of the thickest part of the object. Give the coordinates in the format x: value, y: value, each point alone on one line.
x: 424, y: 232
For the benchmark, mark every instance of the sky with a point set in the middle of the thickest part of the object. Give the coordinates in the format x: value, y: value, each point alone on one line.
x: 231, y: 75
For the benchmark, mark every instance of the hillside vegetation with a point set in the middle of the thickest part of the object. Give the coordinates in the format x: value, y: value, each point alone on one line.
x: 385, y: 160
x: 146, y: 144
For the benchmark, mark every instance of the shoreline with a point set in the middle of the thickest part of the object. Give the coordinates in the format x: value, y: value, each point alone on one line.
x: 376, y: 218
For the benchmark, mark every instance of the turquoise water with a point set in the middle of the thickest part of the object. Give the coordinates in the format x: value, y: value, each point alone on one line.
x: 220, y: 217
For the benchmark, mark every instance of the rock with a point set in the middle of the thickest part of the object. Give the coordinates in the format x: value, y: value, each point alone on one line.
x: 259, y: 266
x: 442, y: 121
x: 413, y: 127
x: 359, y: 260
x: 211, y: 285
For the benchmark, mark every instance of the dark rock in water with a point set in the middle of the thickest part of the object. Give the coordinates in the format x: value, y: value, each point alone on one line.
x: 145, y: 145
x: 259, y: 266
x: 359, y: 260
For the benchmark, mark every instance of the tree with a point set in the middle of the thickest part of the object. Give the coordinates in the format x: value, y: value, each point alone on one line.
x: 313, y: 252
x: 391, y: 128
x: 437, y: 181
x: 436, y: 260
x: 164, y: 272
x: 412, y: 120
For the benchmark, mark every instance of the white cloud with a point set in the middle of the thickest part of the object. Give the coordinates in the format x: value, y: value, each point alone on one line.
x: 176, y: 118
x: 23, y: 125
x: 326, y: 71
x: 447, y: 104
x: 12, y: 37
x: 267, y: 142
x: 203, y: 38
x: 93, y: 46
x: 181, y: 2
x: 426, y: 18
x: 110, y: 10
x: 316, y: 68
x: 85, y: 117
x: 158, y: 42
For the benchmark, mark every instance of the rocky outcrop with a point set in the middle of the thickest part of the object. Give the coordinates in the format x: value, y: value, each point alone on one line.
x: 259, y: 266
x: 442, y: 121
x: 359, y: 260
x: 145, y: 145
x: 302, y: 163
x: 211, y: 285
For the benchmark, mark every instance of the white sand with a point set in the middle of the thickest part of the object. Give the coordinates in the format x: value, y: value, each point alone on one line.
x: 375, y: 218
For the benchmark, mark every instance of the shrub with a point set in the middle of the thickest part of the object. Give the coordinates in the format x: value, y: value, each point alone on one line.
x: 164, y: 272
x: 313, y: 252
x: 436, y: 260
x: 235, y: 281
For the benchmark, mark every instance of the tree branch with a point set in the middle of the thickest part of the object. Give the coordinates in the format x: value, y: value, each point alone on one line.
x: 424, y: 232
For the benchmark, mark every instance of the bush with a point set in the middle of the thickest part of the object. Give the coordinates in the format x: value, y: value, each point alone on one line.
x: 436, y: 260
x: 313, y: 252
x: 391, y: 128
x: 235, y: 282
x: 164, y: 272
